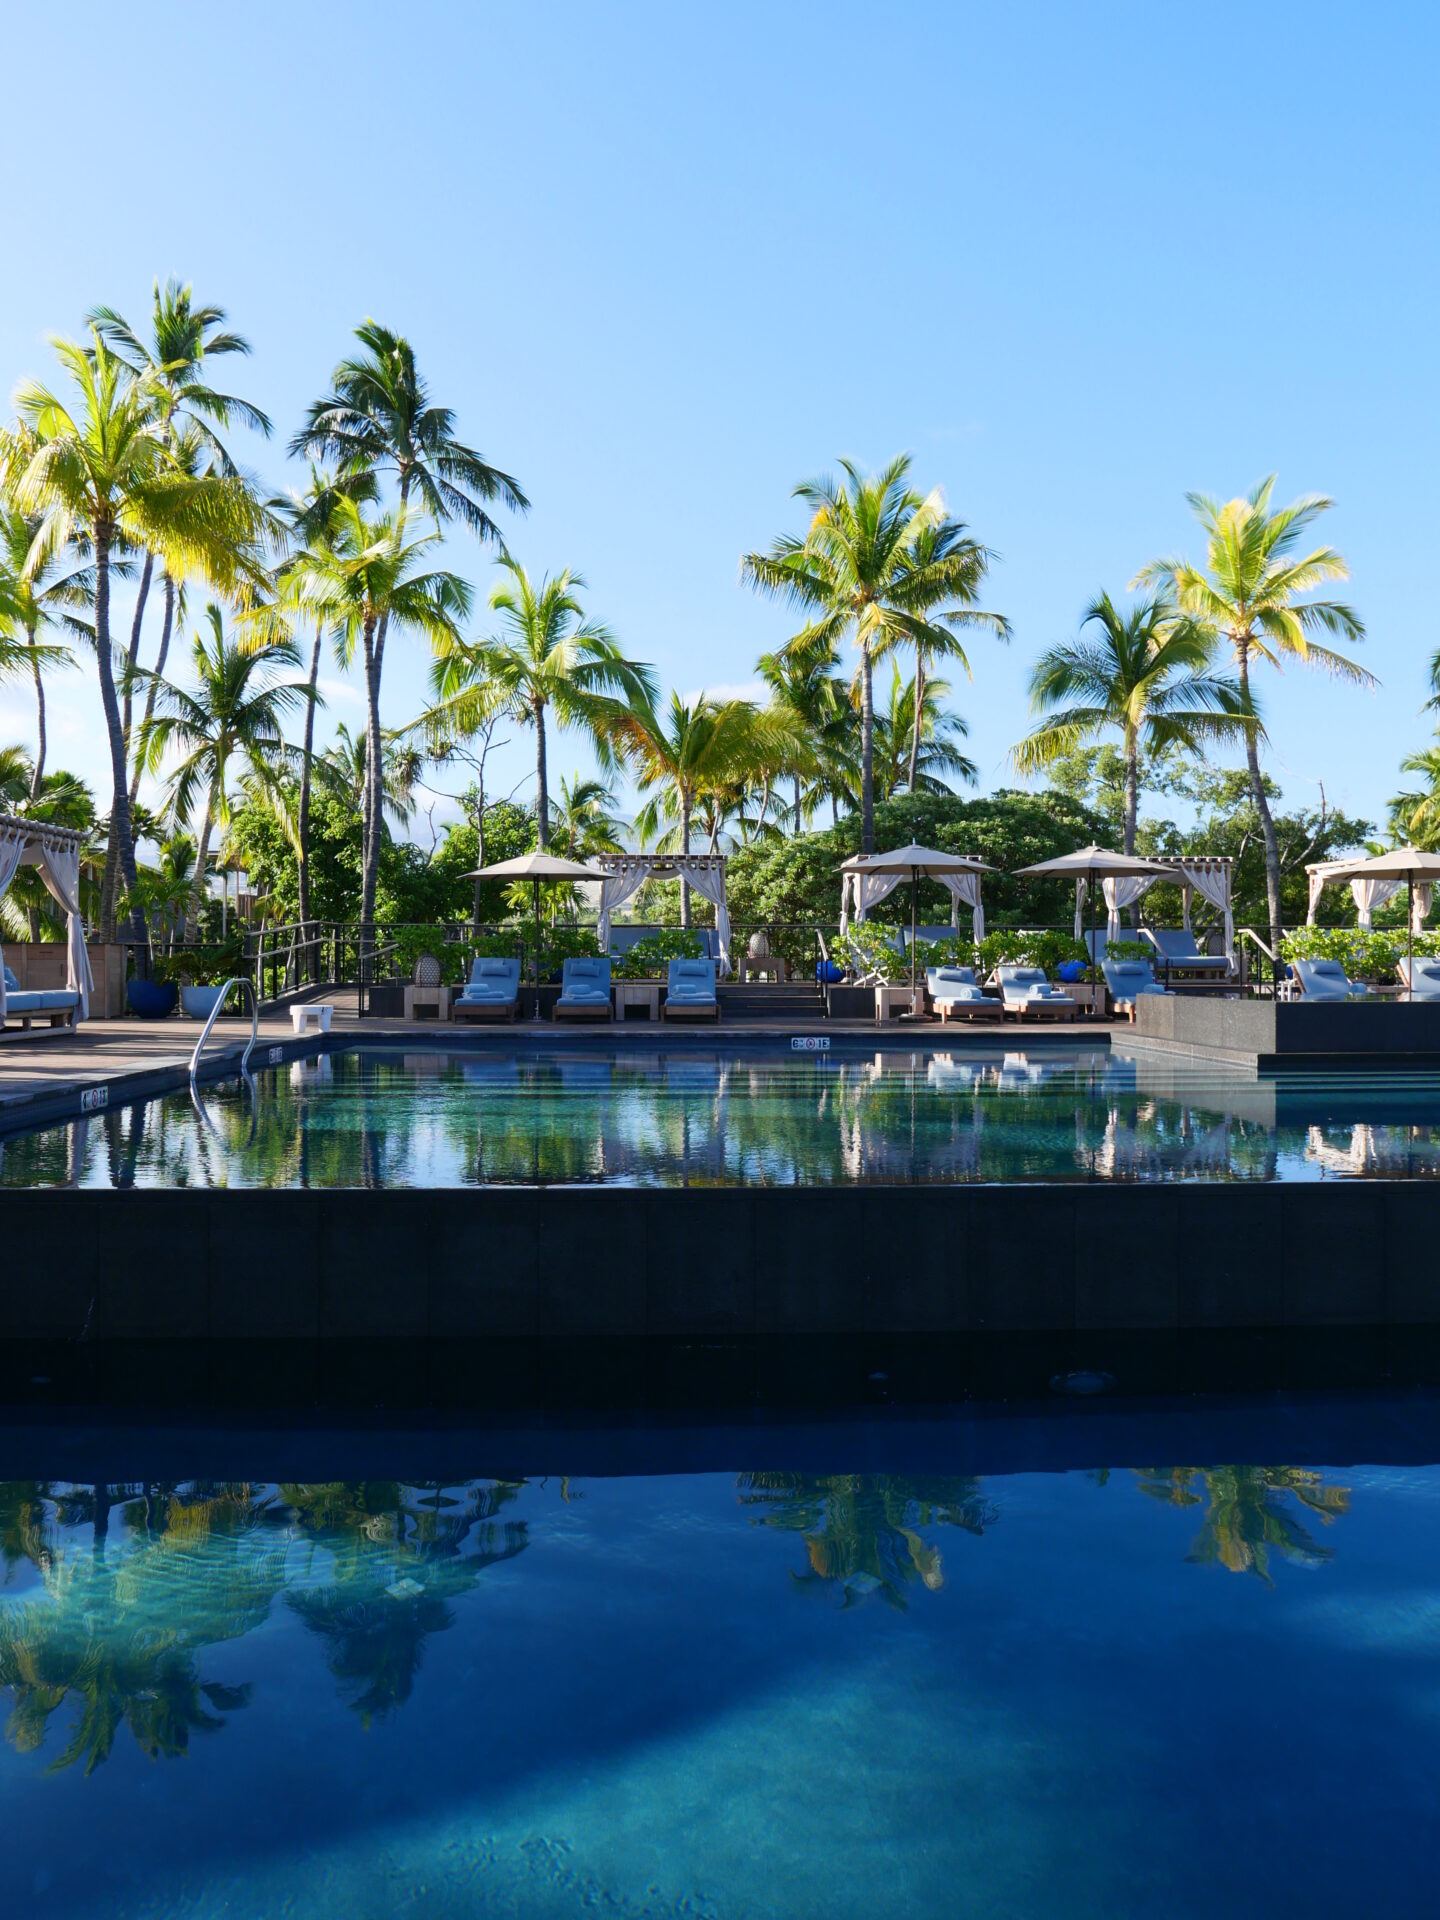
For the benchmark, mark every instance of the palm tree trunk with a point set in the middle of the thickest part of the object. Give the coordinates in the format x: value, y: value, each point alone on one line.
x: 1132, y: 809
x: 197, y: 885
x: 542, y: 791
x: 1262, y: 805
x: 141, y: 596
x: 306, y: 757
x: 867, y: 752
x: 163, y: 653
x: 122, y: 848
x: 38, y: 775
x: 919, y: 715
x: 684, y: 848
x: 797, y: 803
x: 371, y: 862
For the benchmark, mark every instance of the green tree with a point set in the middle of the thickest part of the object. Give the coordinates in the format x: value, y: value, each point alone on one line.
x: 1248, y: 1516
x: 1250, y: 594
x: 379, y: 419
x: 948, y: 569
x: 40, y: 596
x: 368, y: 573
x: 810, y: 702
x: 900, y: 762
x: 878, y: 564
x: 234, y: 713
x: 98, y: 466
x: 1143, y: 672
x: 547, y: 658
x: 1415, y: 813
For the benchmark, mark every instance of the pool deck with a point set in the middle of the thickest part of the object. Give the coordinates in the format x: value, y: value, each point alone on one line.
x: 46, y: 1075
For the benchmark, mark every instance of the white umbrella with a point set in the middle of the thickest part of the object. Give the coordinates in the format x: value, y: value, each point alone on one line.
x: 1094, y: 863
x: 536, y: 867
x: 1401, y: 863
x: 914, y: 860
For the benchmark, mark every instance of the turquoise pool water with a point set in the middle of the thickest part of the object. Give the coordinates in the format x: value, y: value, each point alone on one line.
x: 1153, y: 1688
x: 762, y: 1116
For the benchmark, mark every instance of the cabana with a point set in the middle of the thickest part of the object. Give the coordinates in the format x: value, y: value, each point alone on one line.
x: 1125, y: 878
x: 56, y: 852
x: 623, y: 874
x: 1409, y: 867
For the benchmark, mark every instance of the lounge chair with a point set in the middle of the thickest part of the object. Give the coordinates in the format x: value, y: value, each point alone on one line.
x: 584, y: 989
x: 1326, y: 980
x: 491, y: 993
x: 1025, y: 992
x: 57, y: 1005
x: 1177, y: 948
x: 1129, y: 981
x: 953, y: 990
x: 1421, y: 977
x: 690, y: 991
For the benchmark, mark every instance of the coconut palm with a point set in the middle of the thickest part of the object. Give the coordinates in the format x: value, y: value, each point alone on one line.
x: 378, y: 419
x: 1415, y: 814
x: 1145, y: 672
x: 342, y: 768
x: 231, y: 718
x: 369, y: 572
x: 547, y: 658
x: 40, y: 594
x: 585, y: 822
x: 939, y: 758
x: 947, y: 569
x: 878, y: 563
x: 96, y: 465
x: 1249, y: 594
x: 689, y: 750
x: 810, y: 700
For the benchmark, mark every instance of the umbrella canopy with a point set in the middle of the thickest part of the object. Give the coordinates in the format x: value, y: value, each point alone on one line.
x: 914, y: 860
x: 1096, y: 863
x: 1401, y: 863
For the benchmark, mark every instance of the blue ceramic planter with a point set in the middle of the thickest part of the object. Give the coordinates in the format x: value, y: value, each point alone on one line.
x: 151, y: 999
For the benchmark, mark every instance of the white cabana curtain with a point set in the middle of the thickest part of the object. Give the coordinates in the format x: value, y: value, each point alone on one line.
x: 615, y: 890
x: 1424, y: 900
x: 965, y: 892
x: 60, y: 870
x: 709, y: 883
x: 1081, y: 888
x: 1370, y: 894
x: 1212, y: 882
x: 13, y: 842
x: 1123, y: 891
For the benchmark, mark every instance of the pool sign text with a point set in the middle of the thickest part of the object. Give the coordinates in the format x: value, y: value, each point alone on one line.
x: 810, y: 1043
x: 93, y: 1098
x: 277, y: 1054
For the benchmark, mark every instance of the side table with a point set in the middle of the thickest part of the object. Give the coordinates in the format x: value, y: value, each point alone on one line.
x: 637, y: 993
x: 427, y: 1003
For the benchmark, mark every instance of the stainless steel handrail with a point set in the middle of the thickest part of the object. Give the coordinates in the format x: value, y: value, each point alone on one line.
x: 214, y: 1015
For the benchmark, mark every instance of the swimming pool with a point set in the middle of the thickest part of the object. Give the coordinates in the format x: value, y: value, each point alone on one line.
x: 756, y: 1116
x: 798, y: 1684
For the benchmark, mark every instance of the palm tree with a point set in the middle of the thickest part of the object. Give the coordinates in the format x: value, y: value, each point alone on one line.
x: 34, y: 599
x: 379, y: 418
x: 1147, y: 673
x: 876, y: 562
x: 585, y: 820
x: 1415, y: 814
x: 1249, y: 594
x: 549, y: 657
x: 233, y: 713
x: 688, y: 751
x: 897, y: 762
x: 342, y: 767
x: 945, y: 565
x: 809, y: 699
x: 99, y: 467
x: 366, y: 573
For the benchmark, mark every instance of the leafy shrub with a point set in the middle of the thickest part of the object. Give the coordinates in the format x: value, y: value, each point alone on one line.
x: 1129, y: 950
x: 871, y: 945
x: 1013, y: 946
x: 1364, y: 956
x: 649, y: 959
x: 208, y: 966
x: 560, y: 944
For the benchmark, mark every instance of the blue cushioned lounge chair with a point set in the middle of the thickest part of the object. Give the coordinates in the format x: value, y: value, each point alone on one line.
x: 690, y: 991
x: 1129, y: 981
x: 57, y: 1005
x: 1178, y: 950
x: 491, y: 993
x: 584, y: 989
x: 953, y: 990
x: 1326, y: 980
x: 1422, y: 976
x: 1025, y: 992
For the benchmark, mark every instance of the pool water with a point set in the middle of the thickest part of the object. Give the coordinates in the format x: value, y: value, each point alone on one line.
x: 1152, y: 1688
x: 757, y: 1116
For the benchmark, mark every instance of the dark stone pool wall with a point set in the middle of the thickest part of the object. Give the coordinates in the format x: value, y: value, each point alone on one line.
x: 1268, y: 1033
x: 567, y: 1264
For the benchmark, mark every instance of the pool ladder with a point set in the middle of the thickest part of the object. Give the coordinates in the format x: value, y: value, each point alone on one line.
x: 214, y: 1015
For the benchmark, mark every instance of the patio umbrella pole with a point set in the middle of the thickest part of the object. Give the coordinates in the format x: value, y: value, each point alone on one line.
x: 537, y: 949
x: 1409, y: 936
x: 914, y: 891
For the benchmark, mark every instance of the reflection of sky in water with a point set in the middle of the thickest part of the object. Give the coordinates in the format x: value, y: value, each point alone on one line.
x: 754, y: 1118
x: 759, y: 1694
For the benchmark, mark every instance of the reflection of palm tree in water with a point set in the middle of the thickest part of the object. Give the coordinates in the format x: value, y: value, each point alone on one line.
x: 862, y: 1531
x: 397, y: 1563
x: 1247, y: 1513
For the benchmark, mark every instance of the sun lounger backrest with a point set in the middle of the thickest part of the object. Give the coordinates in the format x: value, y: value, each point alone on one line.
x: 1422, y: 971
x: 1127, y: 977
x: 950, y: 977
x: 585, y: 970
x: 12, y: 985
x: 1022, y: 977
x: 495, y: 970
x: 692, y: 974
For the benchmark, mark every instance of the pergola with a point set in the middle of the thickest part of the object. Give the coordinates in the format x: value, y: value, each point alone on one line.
x: 625, y: 874
x: 1368, y: 891
x: 56, y: 852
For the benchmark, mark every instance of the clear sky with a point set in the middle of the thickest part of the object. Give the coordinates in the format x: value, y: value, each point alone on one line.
x: 666, y: 261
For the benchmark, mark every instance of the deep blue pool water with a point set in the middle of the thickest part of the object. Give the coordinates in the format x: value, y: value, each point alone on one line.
x: 1146, y: 1689
x: 756, y: 1116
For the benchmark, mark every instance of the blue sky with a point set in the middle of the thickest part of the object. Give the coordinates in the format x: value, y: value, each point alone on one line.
x: 664, y: 262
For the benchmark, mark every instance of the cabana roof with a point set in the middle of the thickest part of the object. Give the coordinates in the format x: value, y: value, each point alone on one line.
x: 40, y: 833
